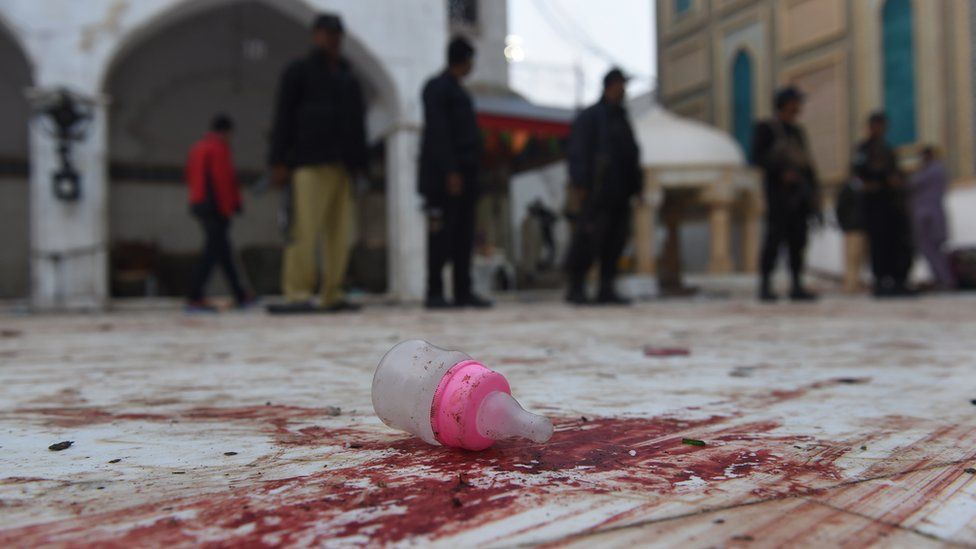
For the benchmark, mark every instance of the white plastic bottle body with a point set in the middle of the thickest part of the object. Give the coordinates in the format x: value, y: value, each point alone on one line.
x: 405, y: 382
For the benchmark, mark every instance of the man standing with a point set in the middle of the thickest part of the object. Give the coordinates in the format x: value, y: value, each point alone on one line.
x: 928, y: 187
x: 450, y: 152
x: 214, y: 199
x: 792, y: 195
x: 885, y: 210
x: 604, y: 172
x: 318, y: 138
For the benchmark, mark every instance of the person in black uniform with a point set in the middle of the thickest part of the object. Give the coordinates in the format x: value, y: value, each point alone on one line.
x: 779, y: 148
x: 604, y: 172
x: 450, y: 152
x: 885, y: 210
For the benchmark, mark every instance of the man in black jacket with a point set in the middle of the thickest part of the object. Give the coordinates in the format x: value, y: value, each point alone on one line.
x: 318, y: 139
x: 885, y: 210
x: 450, y: 152
x: 604, y: 172
x: 792, y: 192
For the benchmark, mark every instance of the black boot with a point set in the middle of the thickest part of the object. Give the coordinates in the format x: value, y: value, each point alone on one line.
x: 612, y: 299
x: 437, y: 302
x: 902, y: 289
x: 576, y: 295
x: 800, y: 293
x: 766, y: 294
x: 473, y: 301
x: 609, y: 296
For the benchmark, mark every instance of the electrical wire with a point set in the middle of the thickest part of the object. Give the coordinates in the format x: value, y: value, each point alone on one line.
x: 571, y: 31
x: 566, y: 26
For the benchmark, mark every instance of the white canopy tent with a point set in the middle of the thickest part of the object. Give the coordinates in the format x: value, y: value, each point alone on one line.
x: 678, y: 154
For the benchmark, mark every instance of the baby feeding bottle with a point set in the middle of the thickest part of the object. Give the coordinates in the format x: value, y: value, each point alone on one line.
x: 446, y: 397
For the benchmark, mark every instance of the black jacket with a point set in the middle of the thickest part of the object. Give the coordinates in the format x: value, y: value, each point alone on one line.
x: 604, y: 157
x: 768, y: 155
x: 875, y: 163
x: 319, y: 115
x: 451, y: 140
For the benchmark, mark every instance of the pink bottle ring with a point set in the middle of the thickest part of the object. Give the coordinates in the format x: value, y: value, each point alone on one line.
x: 454, y: 409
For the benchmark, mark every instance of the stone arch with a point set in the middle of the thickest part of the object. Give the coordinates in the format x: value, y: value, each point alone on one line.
x: 170, y: 78
x: 17, y: 68
x: 164, y: 81
x: 376, y: 79
x: 10, y: 32
x: 14, y: 109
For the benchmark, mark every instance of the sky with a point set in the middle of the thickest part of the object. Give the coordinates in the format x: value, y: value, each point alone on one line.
x: 554, y: 36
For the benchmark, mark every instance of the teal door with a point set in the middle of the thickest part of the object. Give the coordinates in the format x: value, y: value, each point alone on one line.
x: 899, y: 70
x: 742, y: 94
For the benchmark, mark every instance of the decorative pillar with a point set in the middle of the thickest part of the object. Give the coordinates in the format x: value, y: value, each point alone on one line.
x: 645, y: 225
x: 69, y: 256
x: 751, y: 228
x: 718, y: 196
x: 669, y: 269
x: 406, y: 238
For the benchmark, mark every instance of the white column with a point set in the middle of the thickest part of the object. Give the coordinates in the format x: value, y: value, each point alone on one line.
x: 69, y: 239
x: 645, y: 224
x: 406, y: 242
x: 718, y: 197
x: 751, y: 229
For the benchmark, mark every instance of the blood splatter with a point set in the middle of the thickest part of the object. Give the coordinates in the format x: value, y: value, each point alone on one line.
x: 78, y: 416
x: 400, y: 487
x: 654, y: 351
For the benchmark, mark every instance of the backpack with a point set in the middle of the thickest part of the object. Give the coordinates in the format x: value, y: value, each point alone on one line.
x: 849, y: 206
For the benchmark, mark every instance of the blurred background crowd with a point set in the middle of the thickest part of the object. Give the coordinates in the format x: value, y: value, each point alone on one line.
x: 451, y: 151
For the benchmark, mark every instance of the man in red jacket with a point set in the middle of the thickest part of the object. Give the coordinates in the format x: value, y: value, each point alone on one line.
x: 214, y: 198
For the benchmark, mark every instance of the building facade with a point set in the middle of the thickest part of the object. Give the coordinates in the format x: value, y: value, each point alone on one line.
x: 721, y: 60
x: 152, y: 73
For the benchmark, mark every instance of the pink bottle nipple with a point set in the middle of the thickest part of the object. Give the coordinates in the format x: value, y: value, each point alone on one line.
x: 473, y: 407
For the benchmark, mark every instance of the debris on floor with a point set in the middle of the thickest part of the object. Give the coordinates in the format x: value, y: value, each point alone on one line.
x: 333, y: 411
x: 743, y: 371
x: 663, y: 352
x: 851, y: 380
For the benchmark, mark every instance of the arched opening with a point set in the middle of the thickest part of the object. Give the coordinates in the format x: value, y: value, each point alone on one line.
x: 742, y: 101
x: 165, y: 84
x: 14, y: 163
x: 899, y: 70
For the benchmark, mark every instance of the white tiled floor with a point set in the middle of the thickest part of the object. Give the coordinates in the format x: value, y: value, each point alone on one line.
x: 847, y: 421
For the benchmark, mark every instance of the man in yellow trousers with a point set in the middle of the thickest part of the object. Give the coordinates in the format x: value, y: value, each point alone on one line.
x: 318, y: 141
